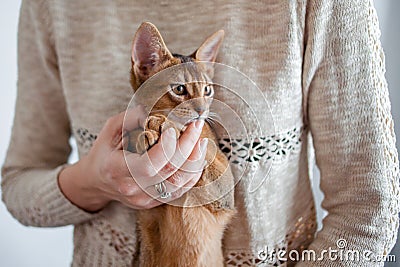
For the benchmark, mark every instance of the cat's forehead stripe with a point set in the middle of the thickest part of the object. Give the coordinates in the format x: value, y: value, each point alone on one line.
x: 192, y: 74
x: 183, y: 59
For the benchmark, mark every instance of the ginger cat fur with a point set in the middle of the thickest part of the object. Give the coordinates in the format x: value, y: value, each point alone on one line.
x: 172, y: 235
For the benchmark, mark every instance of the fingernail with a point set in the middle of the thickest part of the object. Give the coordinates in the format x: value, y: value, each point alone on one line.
x: 171, y: 132
x: 199, y: 124
x: 203, y: 145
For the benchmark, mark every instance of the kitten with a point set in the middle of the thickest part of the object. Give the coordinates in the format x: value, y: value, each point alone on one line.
x: 172, y: 235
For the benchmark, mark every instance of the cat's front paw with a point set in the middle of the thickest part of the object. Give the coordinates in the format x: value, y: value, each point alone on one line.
x: 146, y: 140
x: 154, y: 126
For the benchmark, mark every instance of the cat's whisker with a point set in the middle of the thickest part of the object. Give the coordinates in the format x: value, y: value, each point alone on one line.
x: 211, y: 121
x: 214, y: 116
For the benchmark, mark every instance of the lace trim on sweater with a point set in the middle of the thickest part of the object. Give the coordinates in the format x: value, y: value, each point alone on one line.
x: 84, y: 138
x: 298, y: 239
x: 388, y: 139
x: 274, y: 148
x: 123, y: 244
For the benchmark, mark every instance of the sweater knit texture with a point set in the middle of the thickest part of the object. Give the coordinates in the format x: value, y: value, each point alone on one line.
x: 318, y: 63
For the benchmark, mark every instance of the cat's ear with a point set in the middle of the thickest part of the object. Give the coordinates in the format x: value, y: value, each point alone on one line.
x: 208, y: 51
x: 148, y: 51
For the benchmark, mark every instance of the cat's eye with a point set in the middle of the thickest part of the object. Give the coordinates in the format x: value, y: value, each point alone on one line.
x: 207, y: 90
x: 179, y: 89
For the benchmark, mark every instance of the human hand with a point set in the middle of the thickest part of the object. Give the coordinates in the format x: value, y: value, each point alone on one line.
x: 109, y: 173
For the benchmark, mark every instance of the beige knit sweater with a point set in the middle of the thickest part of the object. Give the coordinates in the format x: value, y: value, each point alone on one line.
x: 319, y: 63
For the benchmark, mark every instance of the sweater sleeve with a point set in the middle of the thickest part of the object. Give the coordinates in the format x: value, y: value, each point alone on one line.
x: 39, y: 146
x: 352, y: 128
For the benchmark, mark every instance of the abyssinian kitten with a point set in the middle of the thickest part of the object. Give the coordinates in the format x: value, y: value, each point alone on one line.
x: 177, y: 235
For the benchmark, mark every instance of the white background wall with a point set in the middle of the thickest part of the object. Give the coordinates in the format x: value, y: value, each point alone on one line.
x: 22, y: 246
x: 388, y: 12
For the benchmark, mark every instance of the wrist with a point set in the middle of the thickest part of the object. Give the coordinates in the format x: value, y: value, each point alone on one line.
x: 78, y: 187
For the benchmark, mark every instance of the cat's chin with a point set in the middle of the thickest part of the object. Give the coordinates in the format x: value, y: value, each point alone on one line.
x: 182, y: 127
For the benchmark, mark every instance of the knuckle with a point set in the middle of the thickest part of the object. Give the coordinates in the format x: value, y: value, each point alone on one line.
x: 110, y: 121
x: 177, y: 179
x: 141, y: 202
x: 124, y: 190
x: 113, y: 122
x: 148, y: 170
x: 147, y: 203
x: 107, y: 169
x: 127, y: 189
x: 152, y: 204
x: 192, y: 182
x: 137, y: 201
x: 197, y: 176
x: 169, y: 168
x: 178, y: 193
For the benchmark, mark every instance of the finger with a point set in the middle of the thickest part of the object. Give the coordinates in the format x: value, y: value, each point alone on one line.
x: 186, y: 143
x: 134, y: 118
x: 149, y: 164
x: 112, y: 131
x: 176, y: 195
x: 122, y: 176
x: 188, y: 139
x: 151, y: 198
x: 157, y: 178
x: 192, y: 164
x: 132, y: 195
x: 195, y: 161
x: 185, y: 188
x: 174, y: 184
x: 119, y: 177
x: 192, y: 168
x: 183, y: 178
x: 177, y: 185
x: 155, y: 190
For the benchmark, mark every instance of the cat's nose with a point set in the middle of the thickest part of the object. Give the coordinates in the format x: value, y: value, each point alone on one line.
x: 200, y: 110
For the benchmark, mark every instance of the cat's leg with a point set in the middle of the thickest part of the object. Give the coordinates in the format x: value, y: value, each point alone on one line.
x: 145, y: 140
x: 154, y: 126
x: 216, y: 188
x: 213, y: 197
x: 221, y: 185
x: 149, y: 232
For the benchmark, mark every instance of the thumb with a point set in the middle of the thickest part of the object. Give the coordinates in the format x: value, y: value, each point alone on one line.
x: 117, y: 125
x: 134, y: 118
